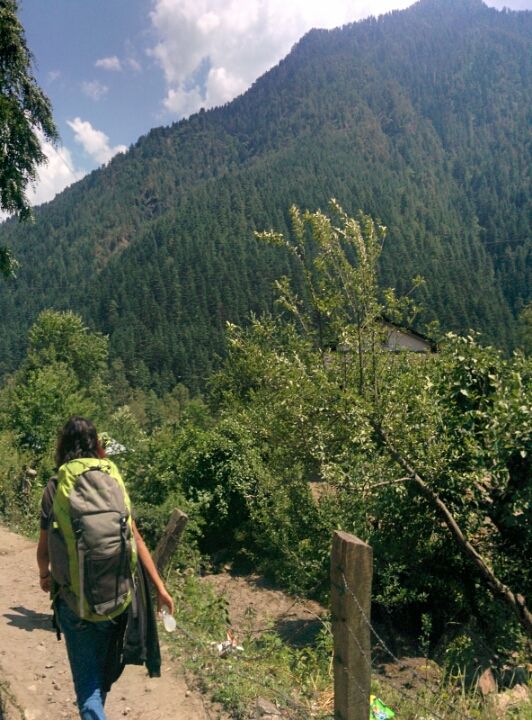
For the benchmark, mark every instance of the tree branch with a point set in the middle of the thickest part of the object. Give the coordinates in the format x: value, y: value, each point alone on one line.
x: 517, y: 602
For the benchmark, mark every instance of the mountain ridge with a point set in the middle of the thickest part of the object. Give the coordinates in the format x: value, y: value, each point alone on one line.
x: 414, y: 126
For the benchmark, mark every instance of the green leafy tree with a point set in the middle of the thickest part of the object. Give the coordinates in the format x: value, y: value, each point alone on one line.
x: 64, y: 373
x: 25, y: 120
x: 63, y: 337
x: 41, y: 403
x: 404, y: 448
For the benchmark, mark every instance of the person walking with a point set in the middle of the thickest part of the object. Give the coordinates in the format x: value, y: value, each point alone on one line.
x: 86, y: 554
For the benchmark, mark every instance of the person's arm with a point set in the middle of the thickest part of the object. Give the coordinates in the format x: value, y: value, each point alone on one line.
x: 163, y: 597
x: 43, y: 562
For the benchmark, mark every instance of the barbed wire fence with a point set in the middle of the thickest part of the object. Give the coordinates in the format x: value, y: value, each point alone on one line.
x: 403, y: 691
x: 353, y: 631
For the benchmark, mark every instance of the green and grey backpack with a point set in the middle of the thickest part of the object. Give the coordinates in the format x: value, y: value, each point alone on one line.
x: 92, y: 549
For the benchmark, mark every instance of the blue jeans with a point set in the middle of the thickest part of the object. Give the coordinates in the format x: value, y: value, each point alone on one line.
x: 87, y: 644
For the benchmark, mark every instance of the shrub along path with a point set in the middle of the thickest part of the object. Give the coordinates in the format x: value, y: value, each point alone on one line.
x: 35, y: 678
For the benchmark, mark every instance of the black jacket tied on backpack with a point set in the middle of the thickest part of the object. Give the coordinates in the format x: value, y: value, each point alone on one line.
x: 136, y: 640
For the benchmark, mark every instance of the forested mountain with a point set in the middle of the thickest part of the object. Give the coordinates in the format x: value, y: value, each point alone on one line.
x: 420, y: 118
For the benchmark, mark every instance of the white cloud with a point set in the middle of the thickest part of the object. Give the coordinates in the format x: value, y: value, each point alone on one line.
x: 134, y: 64
x: 54, y: 176
x: 94, y: 89
x: 109, y: 63
x: 183, y: 102
x: 512, y: 4
x: 94, y: 142
x: 59, y: 171
x: 115, y: 64
x: 208, y: 22
x: 53, y: 75
x: 222, y: 86
x: 235, y: 42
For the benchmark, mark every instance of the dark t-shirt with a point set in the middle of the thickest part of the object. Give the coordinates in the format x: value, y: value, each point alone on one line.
x: 47, y: 503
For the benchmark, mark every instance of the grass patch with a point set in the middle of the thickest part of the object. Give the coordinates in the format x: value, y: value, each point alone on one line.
x: 293, y: 679
x: 298, y: 681
x: 448, y: 701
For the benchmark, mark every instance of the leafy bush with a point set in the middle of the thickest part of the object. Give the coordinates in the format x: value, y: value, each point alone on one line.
x: 19, y: 493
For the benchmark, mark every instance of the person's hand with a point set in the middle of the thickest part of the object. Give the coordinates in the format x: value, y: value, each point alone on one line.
x: 45, y: 582
x: 164, y: 598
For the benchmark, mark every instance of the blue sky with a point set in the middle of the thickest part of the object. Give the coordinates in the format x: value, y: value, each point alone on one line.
x: 113, y: 69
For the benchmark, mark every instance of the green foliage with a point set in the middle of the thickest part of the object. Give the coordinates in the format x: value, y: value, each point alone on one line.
x: 291, y: 535
x: 25, y: 121
x: 123, y: 427
x: 152, y: 468
x: 39, y: 405
x: 63, y: 375
x: 61, y: 337
x: 17, y: 500
x: 465, y: 423
x: 153, y: 411
x: 319, y: 392
x: 525, y: 329
x: 221, y: 472
x: 8, y: 263
x: 210, y: 474
x: 24, y: 112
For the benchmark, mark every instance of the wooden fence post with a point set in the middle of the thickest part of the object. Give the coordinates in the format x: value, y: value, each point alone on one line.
x: 170, y: 539
x: 351, y: 576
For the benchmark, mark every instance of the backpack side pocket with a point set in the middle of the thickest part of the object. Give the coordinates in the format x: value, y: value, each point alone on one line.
x: 57, y: 549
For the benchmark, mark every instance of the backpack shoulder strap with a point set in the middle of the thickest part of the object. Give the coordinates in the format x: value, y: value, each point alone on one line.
x: 47, y: 502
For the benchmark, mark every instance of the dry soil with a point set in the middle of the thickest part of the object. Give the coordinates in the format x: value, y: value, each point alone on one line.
x: 34, y: 673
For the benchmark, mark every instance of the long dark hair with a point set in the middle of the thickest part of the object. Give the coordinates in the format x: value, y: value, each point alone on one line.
x: 78, y: 439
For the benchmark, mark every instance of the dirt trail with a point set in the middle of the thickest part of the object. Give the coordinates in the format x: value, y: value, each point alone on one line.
x: 33, y: 663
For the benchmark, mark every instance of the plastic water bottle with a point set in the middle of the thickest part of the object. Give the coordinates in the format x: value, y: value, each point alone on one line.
x: 168, y: 620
